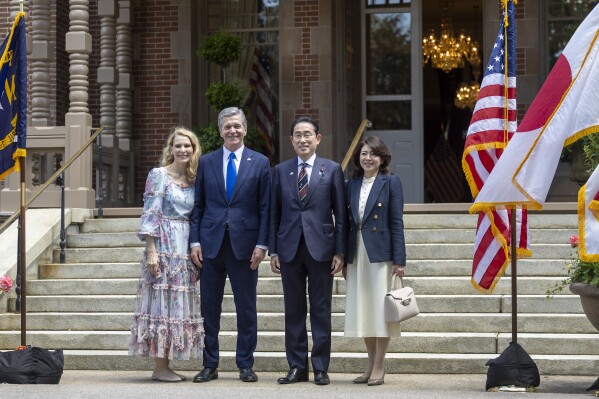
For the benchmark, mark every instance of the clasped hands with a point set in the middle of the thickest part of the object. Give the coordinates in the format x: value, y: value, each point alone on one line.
x: 257, y: 257
x: 336, y: 264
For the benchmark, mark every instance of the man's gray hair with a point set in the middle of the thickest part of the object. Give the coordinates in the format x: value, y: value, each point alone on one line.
x: 231, y: 111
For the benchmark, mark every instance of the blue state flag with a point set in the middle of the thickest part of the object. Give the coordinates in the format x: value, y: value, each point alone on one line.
x: 13, y: 98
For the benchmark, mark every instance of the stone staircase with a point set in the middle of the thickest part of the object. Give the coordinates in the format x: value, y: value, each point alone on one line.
x: 85, y: 305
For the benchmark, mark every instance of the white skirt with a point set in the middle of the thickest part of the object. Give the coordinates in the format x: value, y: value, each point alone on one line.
x: 366, y: 286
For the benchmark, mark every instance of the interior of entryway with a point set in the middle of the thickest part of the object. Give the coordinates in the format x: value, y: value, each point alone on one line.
x: 444, y: 123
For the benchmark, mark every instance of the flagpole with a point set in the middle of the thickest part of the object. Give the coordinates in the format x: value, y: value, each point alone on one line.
x: 506, y: 138
x: 23, y: 251
x: 514, y: 258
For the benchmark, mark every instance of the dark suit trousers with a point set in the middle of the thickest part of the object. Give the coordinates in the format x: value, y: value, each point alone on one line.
x: 243, y: 281
x: 320, y: 289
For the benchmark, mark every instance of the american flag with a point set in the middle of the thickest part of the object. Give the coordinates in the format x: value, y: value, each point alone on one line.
x: 260, y: 84
x: 493, y: 124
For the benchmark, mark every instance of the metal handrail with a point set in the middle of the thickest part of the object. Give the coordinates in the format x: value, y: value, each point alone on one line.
x: 52, y: 178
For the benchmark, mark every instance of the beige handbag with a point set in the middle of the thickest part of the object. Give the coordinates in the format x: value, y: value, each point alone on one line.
x: 400, y: 304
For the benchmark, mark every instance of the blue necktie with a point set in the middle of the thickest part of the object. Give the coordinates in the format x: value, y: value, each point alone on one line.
x: 231, y: 176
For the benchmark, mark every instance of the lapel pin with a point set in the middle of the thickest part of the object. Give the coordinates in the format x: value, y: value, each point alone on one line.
x: 321, y: 172
x: 380, y: 205
x: 291, y: 174
x: 249, y: 159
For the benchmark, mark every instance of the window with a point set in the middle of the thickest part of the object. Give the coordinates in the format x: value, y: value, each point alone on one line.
x: 388, y: 67
x: 563, y: 17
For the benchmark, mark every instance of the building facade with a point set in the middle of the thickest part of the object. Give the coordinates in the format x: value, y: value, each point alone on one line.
x: 132, y: 67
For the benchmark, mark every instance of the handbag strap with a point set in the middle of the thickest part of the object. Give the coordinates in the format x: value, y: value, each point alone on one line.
x: 395, y: 279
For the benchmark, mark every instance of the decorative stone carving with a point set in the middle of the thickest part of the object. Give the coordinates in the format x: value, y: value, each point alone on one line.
x: 79, y: 46
x: 124, y: 49
x: 40, y: 66
x: 107, y: 76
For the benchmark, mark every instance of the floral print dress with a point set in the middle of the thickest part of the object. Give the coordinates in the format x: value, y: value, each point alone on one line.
x: 167, y: 322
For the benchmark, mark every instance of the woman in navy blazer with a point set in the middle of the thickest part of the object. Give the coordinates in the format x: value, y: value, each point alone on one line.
x: 376, y: 252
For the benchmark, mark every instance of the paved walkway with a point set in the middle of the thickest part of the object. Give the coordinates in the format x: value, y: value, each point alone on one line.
x: 137, y: 384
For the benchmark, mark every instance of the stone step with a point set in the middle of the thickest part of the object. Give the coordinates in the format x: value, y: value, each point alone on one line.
x: 413, y: 251
x: 465, y: 221
x: 110, y: 270
x: 104, y: 240
x: 341, y: 362
x: 413, y: 236
x: 410, y: 342
x: 89, y: 270
x: 467, y: 236
x: 420, y: 221
x: 114, y: 225
x: 274, y: 303
x: 101, y: 255
x: 449, y: 267
x: 267, y: 341
x: 425, y: 322
x: 464, y: 251
x: 460, y: 285
x: 526, y: 267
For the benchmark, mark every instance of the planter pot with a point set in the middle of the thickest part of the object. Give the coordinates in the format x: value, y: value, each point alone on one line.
x: 589, y: 298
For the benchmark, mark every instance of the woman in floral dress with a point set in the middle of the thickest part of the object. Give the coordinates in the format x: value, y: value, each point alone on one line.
x: 167, y: 323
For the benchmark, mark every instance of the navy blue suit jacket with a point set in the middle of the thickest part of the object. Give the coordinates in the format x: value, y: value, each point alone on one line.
x: 326, y: 197
x: 382, y: 224
x: 247, y: 215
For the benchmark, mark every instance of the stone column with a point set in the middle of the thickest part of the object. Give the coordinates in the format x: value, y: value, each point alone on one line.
x: 41, y: 55
x: 124, y: 50
x: 108, y: 79
x: 78, y: 120
x: 124, y: 93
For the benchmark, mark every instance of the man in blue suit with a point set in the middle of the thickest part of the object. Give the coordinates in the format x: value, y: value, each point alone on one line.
x: 229, y: 236
x: 306, y: 244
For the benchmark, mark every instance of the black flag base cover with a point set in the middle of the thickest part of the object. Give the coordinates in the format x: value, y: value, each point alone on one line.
x: 595, y: 386
x: 513, y: 370
x: 31, y: 365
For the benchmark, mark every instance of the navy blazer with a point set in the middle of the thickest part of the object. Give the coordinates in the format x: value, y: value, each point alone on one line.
x: 247, y: 215
x: 288, y: 218
x: 382, y: 224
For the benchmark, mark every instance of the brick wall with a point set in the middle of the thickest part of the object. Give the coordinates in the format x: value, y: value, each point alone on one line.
x: 305, y: 63
x: 154, y: 73
x: 307, y: 59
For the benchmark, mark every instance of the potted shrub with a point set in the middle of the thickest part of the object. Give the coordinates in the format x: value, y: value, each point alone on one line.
x: 583, y: 277
x: 583, y: 280
x: 223, y: 49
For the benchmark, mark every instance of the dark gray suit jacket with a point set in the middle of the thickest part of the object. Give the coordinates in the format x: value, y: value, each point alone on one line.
x: 288, y: 218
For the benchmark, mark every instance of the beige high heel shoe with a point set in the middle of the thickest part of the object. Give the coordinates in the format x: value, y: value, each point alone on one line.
x: 377, y: 381
x: 361, y: 380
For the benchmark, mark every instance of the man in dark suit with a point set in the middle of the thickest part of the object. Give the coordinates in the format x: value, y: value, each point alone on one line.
x: 229, y: 236
x: 307, y: 244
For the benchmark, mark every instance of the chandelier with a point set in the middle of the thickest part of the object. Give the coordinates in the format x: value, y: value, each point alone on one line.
x: 448, y: 52
x: 466, y: 95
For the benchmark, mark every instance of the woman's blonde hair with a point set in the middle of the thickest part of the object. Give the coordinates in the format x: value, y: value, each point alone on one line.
x: 167, y: 156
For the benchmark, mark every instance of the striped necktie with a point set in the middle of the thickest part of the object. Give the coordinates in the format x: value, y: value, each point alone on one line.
x: 302, y: 183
